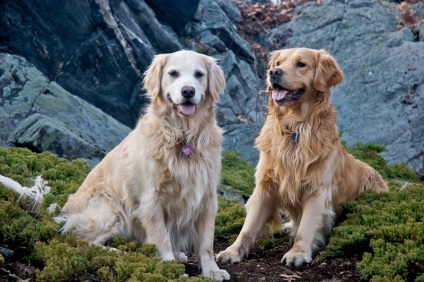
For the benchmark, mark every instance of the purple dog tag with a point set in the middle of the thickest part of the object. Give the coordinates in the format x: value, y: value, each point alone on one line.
x: 187, y: 149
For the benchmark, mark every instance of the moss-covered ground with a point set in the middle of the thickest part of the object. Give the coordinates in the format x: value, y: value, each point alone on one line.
x: 385, y: 231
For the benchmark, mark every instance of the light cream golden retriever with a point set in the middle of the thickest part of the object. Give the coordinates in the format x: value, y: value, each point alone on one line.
x: 159, y: 185
x: 302, y: 168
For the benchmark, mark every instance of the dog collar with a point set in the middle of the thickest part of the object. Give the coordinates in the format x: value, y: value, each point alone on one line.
x: 186, y: 149
x: 295, y: 138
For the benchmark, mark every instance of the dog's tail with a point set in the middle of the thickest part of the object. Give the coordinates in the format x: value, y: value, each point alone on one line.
x: 95, y: 223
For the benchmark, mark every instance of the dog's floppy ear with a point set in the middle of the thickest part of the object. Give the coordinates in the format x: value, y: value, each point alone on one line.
x: 216, y: 79
x: 153, y: 75
x: 272, y: 57
x: 327, y: 72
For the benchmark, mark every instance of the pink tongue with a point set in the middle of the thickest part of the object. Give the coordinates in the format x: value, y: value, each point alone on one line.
x: 186, y: 110
x: 279, y: 94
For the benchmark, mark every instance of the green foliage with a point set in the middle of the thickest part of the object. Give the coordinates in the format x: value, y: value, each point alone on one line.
x: 237, y: 173
x: 400, y: 171
x: 271, y: 237
x: 202, y: 51
x: 230, y: 217
x: 62, y: 259
x: 18, y: 227
x: 63, y: 176
x: 389, y: 228
x: 371, y: 147
x: 69, y: 257
x: 369, y: 153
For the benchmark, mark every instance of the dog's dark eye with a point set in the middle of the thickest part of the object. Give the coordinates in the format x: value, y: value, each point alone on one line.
x: 300, y: 64
x: 278, y: 63
x: 199, y: 74
x: 173, y: 73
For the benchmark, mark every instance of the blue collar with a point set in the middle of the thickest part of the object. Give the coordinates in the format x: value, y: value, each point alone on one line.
x: 295, y: 138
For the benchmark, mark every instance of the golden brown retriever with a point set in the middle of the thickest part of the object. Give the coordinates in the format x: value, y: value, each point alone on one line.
x: 159, y: 185
x: 302, y: 168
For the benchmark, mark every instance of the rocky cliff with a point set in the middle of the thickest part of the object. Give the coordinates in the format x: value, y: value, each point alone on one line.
x: 98, y: 51
x: 71, y: 71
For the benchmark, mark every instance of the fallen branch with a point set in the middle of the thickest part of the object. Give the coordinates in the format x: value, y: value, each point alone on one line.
x: 29, y: 198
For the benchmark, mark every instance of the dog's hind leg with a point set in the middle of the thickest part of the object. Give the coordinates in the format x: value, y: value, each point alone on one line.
x: 373, y: 180
x: 111, y: 232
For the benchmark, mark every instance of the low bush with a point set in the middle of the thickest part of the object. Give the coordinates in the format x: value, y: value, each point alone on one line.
x: 386, y: 229
x: 369, y: 154
x: 237, y: 173
x: 230, y: 217
x: 389, y: 229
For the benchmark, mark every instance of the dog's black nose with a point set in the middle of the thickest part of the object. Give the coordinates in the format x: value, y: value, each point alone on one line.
x: 275, y: 72
x: 188, y: 92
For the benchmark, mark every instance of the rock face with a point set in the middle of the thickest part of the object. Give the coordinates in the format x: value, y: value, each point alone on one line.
x: 213, y: 32
x: 42, y: 116
x: 174, y: 13
x: 382, y: 97
x: 98, y: 50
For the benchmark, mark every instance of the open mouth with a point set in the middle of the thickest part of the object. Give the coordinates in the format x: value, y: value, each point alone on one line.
x: 281, y: 94
x: 186, y: 108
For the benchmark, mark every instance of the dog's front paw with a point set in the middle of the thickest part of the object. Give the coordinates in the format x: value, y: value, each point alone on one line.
x: 229, y: 256
x: 217, y: 274
x: 296, y: 256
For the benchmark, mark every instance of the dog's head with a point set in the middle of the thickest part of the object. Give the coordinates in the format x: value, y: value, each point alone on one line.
x: 300, y: 74
x: 183, y: 80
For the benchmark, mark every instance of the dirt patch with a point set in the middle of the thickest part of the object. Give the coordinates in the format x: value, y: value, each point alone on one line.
x: 17, y: 271
x: 265, y: 265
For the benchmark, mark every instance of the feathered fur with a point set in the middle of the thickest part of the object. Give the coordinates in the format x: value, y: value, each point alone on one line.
x: 146, y: 188
x: 303, y: 168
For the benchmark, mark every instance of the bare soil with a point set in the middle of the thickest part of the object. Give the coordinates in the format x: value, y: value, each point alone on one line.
x: 17, y: 271
x: 265, y: 265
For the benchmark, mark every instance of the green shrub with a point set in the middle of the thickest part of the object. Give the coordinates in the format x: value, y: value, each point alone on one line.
x: 21, y: 228
x: 64, y: 177
x: 230, y: 217
x: 389, y: 228
x: 18, y: 228
x: 237, y: 173
x: 70, y: 258
x: 271, y: 237
x: 369, y: 153
x: 386, y: 228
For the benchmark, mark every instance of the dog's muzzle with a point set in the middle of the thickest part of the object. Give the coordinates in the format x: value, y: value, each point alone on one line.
x: 187, y: 107
x: 275, y: 75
